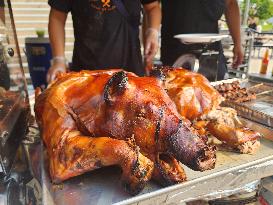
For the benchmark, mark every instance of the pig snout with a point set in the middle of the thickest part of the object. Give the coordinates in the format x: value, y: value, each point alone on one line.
x: 191, y: 150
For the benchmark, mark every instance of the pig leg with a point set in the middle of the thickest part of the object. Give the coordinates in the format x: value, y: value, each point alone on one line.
x: 243, y: 139
x: 79, y: 154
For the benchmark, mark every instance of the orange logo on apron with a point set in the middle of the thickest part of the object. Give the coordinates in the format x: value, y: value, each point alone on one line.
x: 102, y: 5
x: 106, y: 3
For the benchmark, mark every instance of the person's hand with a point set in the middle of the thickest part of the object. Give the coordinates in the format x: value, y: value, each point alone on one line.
x: 238, y: 56
x: 54, y: 70
x: 151, y: 47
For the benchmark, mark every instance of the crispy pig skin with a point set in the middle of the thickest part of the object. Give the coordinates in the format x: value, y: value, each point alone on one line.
x: 196, y: 100
x: 191, y: 92
x: 86, y: 119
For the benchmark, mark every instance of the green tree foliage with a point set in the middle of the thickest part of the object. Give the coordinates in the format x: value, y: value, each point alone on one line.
x: 263, y: 9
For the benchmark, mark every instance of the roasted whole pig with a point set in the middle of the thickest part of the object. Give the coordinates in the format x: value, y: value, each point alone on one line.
x: 93, y: 119
x: 197, y: 101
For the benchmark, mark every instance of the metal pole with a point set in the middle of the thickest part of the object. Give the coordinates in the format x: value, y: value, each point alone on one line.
x: 18, y: 49
x: 247, y: 7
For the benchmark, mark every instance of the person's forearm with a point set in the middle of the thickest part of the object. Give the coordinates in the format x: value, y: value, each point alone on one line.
x: 232, y: 14
x: 56, y: 29
x: 153, y: 13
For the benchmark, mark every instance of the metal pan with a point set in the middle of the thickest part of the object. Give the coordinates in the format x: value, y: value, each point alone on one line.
x: 259, y: 110
x: 102, y: 186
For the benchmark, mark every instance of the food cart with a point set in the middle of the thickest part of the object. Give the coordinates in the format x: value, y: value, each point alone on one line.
x: 25, y: 178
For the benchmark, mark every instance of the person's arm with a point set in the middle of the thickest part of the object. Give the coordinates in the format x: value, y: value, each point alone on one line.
x: 56, y: 28
x: 153, y: 13
x: 232, y: 14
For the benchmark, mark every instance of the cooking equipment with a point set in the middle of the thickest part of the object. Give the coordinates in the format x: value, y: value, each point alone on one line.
x: 201, y: 58
x: 4, y: 54
x: 14, y: 105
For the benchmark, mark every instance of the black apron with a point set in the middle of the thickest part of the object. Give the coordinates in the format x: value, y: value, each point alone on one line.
x: 195, y: 16
x: 104, y: 38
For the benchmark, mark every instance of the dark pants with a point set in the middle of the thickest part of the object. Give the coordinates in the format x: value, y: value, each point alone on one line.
x: 213, y: 67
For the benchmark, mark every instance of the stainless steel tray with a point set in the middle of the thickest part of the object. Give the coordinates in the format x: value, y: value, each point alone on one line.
x: 233, y: 171
x: 259, y: 110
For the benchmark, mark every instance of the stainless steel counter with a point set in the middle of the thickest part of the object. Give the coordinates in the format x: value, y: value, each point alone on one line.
x: 261, y: 78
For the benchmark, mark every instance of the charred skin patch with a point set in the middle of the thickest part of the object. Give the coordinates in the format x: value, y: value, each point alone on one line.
x: 139, y: 173
x: 62, y: 156
x: 77, y: 152
x: 158, y: 73
x: 135, y: 167
x: 98, y: 164
x: 206, y: 159
x: 115, y: 85
x: 133, y: 190
x: 191, y: 150
x: 158, y: 125
x: 168, y: 171
x: 163, y: 177
x: 79, y: 166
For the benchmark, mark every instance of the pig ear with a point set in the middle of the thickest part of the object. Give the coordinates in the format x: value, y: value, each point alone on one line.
x: 115, y: 86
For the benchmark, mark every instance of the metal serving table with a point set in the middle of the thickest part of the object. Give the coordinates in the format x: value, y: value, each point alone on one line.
x: 268, y: 78
x: 102, y: 186
x: 29, y: 182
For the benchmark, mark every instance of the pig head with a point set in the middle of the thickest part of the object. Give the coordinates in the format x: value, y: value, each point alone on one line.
x: 128, y: 107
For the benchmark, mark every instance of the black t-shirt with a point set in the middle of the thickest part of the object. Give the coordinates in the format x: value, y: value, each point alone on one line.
x: 103, y: 36
x: 2, y: 3
x: 187, y: 16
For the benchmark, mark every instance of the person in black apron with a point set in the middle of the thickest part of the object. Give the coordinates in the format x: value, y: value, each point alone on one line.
x: 198, y: 16
x: 106, y: 34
